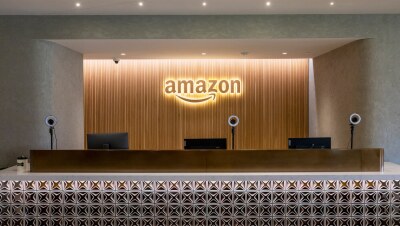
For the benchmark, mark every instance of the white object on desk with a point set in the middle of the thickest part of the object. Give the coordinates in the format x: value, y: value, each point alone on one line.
x: 22, y: 164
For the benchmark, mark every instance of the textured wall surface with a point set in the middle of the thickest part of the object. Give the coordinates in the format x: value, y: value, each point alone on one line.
x: 67, y: 105
x: 254, y: 26
x: 360, y: 78
x: 342, y: 89
x: 312, y: 102
x: 380, y: 89
x: 38, y: 78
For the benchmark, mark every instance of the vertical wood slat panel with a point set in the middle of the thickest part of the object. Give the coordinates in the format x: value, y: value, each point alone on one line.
x: 129, y: 97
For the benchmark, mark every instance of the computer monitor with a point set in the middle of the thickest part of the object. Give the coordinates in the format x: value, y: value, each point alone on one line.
x: 310, y: 143
x: 205, y: 143
x: 108, y: 141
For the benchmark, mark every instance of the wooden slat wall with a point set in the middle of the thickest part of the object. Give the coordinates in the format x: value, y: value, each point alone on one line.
x: 129, y: 97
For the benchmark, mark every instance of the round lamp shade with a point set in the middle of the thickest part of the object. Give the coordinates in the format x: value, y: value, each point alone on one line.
x: 51, y: 121
x: 233, y: 120
x: 355, y: 119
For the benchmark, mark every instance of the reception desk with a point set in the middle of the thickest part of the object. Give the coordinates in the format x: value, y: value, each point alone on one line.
x: 128, y: 161
x: 187, y: 198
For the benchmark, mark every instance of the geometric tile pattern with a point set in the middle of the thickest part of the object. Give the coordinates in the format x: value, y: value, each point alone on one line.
x: 200, y: 203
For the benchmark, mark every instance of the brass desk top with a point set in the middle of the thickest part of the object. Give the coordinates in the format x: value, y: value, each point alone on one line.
x: 165, y: 161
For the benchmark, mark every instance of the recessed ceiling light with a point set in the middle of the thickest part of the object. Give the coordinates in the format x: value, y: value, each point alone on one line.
x: 284, y: 53
x: 268, y: 3
x: 123, y: 54
x: 140, y: 3
x: 332, y: 3
x: 203, y: 54
x: 78, y: 4
x: 204, y: 4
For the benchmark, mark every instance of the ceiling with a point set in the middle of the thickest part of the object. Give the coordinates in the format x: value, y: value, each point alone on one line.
x: 195, y: 48
x: 190, y: 7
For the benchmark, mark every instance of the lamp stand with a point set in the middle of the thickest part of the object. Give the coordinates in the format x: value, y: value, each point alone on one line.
x: 233, y: 138
x: 351, y: 135
x: 51, y: 131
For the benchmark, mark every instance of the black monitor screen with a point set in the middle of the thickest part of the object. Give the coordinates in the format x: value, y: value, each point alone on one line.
x: 108, y: 141
x: 309, y: 143
x: 210, y: 143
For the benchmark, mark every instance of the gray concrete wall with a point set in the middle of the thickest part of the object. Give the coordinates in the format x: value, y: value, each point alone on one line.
x: 68, y: 102
x: 38, y: 78
x: 312, y: 102
x: 361, y: 77
x: 201, y: 27
x: 342, y: 88
x: 378, y: 93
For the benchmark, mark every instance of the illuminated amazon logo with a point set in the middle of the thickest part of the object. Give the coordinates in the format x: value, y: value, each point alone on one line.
x: 198, y: 91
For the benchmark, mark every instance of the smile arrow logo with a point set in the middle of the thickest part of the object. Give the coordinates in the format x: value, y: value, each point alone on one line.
x: 202, y: 90
x: 195, y: 100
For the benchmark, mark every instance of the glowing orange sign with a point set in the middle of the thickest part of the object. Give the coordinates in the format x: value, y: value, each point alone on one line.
x: 198, y: 91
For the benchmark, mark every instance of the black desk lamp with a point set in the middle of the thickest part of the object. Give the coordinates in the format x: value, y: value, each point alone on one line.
x: 354, y: 120
x: 51, y: 122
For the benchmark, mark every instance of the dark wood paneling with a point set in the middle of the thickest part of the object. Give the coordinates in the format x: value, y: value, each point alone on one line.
x: 207, y: 161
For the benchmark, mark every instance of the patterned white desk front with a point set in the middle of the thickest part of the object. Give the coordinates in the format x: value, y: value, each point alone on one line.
x: 201, y: 199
